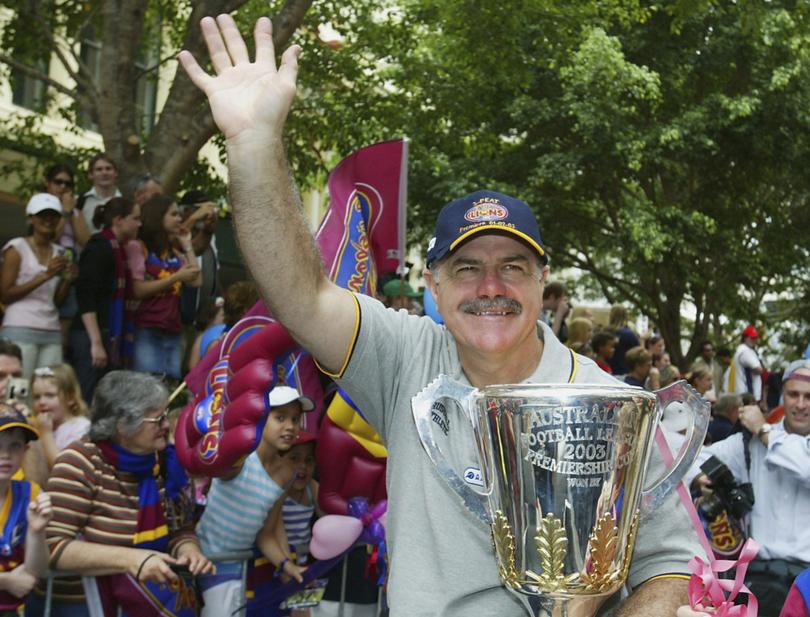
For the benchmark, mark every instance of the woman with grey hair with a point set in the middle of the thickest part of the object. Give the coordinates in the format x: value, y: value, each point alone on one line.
x: 124, y: 516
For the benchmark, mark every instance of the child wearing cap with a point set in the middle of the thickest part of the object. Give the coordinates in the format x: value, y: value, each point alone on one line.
x: 239, y: 504
x: 24, y: 513
x: 285, y: 539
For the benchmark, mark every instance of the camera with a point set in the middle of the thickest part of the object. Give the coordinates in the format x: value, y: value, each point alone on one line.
x: 728, y: 495
x: 17, y: 388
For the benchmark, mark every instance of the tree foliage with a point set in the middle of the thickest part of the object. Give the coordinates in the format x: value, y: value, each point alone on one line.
x: 663, y: 145
x: 139, y: 38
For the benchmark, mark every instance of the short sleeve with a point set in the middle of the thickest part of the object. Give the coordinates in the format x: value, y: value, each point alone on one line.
x: 136, y: 259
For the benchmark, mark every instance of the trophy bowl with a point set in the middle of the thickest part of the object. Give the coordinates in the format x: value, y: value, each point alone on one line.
x: 562, y: 479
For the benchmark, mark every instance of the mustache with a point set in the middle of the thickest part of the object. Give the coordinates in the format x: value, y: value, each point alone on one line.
x: 500, y: 304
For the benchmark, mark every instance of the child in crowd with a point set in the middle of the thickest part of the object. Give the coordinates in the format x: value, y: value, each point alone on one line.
x: 60, y: 413
x: 24, y: 513
x: 287, y: 538
x: 295, y: 527
x: 238, y: 504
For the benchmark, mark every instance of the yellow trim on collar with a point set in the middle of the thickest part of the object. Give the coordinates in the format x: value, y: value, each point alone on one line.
x: 520, y: 234
x: 574, y: 366
x: 684, y: 577
x: 349, y: 352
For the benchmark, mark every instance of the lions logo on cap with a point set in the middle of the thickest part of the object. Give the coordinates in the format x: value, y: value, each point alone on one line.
x: 486, y: 210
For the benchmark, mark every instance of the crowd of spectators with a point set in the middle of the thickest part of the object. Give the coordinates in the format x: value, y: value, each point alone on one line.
x: 108, y: 282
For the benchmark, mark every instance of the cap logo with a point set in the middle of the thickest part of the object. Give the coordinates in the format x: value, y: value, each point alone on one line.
x: 486, y: 210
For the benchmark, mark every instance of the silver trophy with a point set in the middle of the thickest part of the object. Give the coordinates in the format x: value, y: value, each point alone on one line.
x: 561, y: 478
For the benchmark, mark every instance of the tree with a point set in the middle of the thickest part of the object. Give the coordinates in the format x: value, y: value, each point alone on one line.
x: 664, y: 150
x: 126, y: 29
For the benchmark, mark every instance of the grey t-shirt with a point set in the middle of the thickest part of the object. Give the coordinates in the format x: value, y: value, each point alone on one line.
x: 442, y: 560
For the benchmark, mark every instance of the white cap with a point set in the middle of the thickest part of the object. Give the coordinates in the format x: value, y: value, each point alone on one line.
x: 675, y: 418
x: 42, y: 202
x: 281, y: 395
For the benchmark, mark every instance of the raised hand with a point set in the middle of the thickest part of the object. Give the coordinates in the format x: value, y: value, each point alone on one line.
x: 250, y: 100
x: 43, y: 422
x: 39, y: 512
x: 56, y: 264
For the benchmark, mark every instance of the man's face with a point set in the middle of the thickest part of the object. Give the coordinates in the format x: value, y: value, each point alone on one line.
x: 707, y: 352
x: 103, y: 174
x: 489, y: 293
x: 643, y: 369
x: 149, y: 190
x: 750, y: 341
x: 551, y: 303
x: 10, y: 366
x: 797, y: 403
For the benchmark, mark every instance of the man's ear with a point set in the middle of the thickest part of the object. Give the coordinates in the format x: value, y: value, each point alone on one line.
x: 432, y: 283
x: 544, y: 274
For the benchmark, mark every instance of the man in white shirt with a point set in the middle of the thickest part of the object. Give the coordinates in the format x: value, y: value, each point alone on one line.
x: 745, y: 372
x: 779, y: 471
x: 103, y: 172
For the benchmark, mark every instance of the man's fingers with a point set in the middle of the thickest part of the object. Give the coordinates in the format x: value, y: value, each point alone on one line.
x: 195, y: 73
x: 220, y: 58
x: 234, y: 42
x: 263, y: 35
x: 289, y: 64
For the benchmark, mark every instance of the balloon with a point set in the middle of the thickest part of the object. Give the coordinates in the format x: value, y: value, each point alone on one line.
x: 431, y: 310
x: 374, y: 533
x: 334, y: 534
x: 220, y: 427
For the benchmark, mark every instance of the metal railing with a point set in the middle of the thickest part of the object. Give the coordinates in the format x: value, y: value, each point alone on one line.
x: 243, y: 557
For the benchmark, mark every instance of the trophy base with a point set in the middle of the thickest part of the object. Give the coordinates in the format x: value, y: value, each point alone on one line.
x: 543, y: 606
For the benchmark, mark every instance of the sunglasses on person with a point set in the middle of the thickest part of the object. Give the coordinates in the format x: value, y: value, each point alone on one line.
x: 159, y: 419
x: 61, y: 182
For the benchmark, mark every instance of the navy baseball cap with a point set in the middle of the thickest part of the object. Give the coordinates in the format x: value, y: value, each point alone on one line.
x: 11, y: 416
x: 481, y: 212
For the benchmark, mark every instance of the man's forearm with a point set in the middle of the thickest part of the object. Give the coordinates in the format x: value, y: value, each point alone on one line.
x: 282, y: 256
x: 656, y: 598
x: 277, y: 245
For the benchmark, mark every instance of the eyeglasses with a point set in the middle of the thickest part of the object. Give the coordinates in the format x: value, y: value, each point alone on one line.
x: 60, y: 182
x: 159, y: 419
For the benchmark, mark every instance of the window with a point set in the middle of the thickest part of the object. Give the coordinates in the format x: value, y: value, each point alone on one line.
x: 27, y: 91
x: 90, y: 55
x: 145, y: 88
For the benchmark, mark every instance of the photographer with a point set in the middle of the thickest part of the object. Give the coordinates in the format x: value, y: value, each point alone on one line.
x: 10, y: 366
x: 779, y: 472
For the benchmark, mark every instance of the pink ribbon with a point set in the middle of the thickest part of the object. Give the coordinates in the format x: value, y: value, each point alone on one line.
x: 707, y: 593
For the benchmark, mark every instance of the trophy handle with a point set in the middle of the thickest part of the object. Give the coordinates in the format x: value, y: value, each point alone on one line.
x: 423, y: 408
x: 682, y: 392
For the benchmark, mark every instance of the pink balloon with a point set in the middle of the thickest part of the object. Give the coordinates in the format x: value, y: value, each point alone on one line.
x: 334, y: 534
